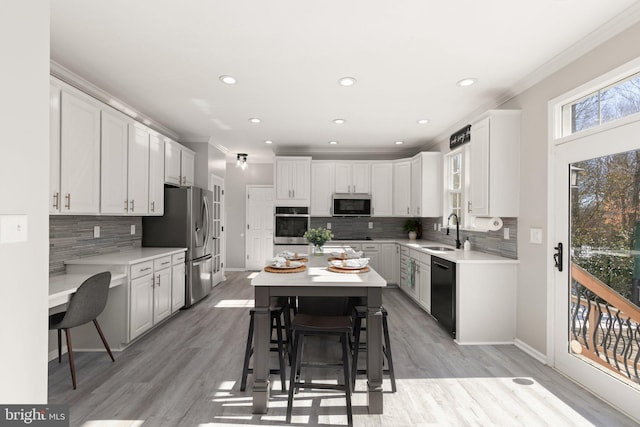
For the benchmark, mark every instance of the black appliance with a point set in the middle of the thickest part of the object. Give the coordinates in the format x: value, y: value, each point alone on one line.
x: 351, y: 205
x: 290, y: 224
x: 443, y: 293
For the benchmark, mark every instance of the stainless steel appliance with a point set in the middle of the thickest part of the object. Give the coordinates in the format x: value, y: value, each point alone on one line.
x: 290, y: 224
x: 186, y: 223
x: 351, y: 205
x: 443, y: 293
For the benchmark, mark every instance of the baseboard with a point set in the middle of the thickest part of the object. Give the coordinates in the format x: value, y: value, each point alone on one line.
x: 234, y: 269
x: 484, y: 342
x: 530, y: 351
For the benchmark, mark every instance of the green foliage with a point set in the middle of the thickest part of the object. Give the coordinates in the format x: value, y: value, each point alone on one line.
x: 411, y: 225
x: 318, y: 236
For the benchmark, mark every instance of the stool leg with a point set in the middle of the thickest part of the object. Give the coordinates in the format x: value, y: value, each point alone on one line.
x: 104, y: 340
x: 247, y: 355
x: 59, y: 345
x: 283, y: 373
x: 293, y: 377
x: 287, y: 330
x: 356, y: 349
x: 387, y: 352
x: 70, y: 353
x: 347, y: 383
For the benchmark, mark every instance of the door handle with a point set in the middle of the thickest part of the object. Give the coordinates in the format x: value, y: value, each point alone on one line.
x: 557, y: 257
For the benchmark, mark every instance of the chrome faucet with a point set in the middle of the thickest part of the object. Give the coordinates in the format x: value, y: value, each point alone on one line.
x: 458, y: 244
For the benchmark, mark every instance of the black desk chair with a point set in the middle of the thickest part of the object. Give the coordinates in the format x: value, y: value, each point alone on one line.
x: 84, y: 306
x: 320, y: 316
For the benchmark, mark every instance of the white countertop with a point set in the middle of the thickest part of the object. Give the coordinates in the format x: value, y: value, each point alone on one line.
x: 127, y: 257
x: 317, y: 274
x: 457, y: 255
x: 61, y: 287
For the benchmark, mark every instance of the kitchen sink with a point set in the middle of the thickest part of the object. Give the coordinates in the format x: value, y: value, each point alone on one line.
x: 438, y: 248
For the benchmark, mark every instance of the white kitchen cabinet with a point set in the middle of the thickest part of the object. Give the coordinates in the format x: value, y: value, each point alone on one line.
x: 416, y: 185
x: 178, y: 282
x: 372, y: 251
x: 423, y: 278
x: 426, y: 184
x: 75, y: 152
x: 389, y: 262
x: 141, y: 301
x: 322, y: 178
x: 162, y: 289
x: 114, y: 153
x: 402, y: 188
x: 352, y: 177
x: 292, y: 178
x: 138, y: 167
x: 382, y: 189
x: 179, y: 165
x: 156, y: 175
x: 495, y: 164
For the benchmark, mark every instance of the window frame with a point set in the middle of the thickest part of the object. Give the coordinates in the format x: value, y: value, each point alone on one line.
x: 463, y: 152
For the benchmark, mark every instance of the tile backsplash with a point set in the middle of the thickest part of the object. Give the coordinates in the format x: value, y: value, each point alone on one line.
x: 72, y: 237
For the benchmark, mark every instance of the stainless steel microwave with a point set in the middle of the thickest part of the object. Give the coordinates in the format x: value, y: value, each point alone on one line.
x: 351, y: 205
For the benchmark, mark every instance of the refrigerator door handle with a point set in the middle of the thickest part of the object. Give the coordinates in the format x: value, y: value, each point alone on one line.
x: 202, y: 260
x: 206, y: 220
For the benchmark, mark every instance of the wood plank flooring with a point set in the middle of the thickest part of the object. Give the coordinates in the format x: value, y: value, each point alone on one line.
x: 187, y: 373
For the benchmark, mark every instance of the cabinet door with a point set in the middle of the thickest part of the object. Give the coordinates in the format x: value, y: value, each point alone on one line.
x: 80, y: 155
x: 382, y: 189
x: 402, y: 188
x: 342, y: 178
x: 138, y: 170
x: 360, y: 178
x: 54, y: 149
x: 479, y: 165
x: 156, y: 175
x: 187, y: 166
x: 301, y: 181
x: 425, y: 285
x: 162, y: 295
x: 388, y: 257
x: 113, y: 160
x: 416, y: 186
x: 172, y: 172
x: 321, y: 188
x: 178, y: 281
x: 141, y: 305
x: 282, y: 179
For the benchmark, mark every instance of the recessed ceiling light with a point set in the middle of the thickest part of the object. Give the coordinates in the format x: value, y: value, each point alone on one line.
x: 339, y: 121
x: 268, y: 142
x: 423, y: 121
x: 228, y: 80
x: 254, y: 120
x: 347, y: 81
x: 467, y: 82
x: 399, y: 142
x: 333, y: 142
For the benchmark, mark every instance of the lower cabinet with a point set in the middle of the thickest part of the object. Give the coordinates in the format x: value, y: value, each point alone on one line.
x: 372, y: 251
x: 389, y: 262
x: 162, y: 289
x: 178, y: 282
x: 141, y: 305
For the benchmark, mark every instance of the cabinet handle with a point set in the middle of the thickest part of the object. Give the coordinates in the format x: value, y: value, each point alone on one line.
x: 145, y: 269
x: 153, y: 207
x: 165, y: 263
x: 418, y: 210
x: 68, y: 204
x: 407, y: 210
x: 126, y: 206
x: 56, y: 200
x: 348, y: 188
x: 294, y: 193
x: 469, y: 206
x: 158, y: 277
x: 132, y: 205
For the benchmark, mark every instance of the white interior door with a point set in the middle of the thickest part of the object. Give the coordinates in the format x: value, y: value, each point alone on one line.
x: 217, y: 214
x: 259, y: 240
x: 595, y: 327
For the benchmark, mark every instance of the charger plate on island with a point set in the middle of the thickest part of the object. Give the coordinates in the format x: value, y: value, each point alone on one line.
x: 272, y: 269
x: 348, y: 270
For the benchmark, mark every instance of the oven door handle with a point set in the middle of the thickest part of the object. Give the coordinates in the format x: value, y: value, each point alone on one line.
x: 292, y: 215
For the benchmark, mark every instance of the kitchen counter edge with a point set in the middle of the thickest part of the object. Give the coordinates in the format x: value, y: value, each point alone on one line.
x: 128, y: 257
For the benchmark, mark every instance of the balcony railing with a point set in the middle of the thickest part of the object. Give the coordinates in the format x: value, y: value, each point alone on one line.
x: 605, y: 327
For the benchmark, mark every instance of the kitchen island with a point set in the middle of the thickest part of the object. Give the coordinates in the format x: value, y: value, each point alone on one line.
x: 317, y: 280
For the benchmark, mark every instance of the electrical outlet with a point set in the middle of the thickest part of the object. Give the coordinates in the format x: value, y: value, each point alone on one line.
x: 370, y: 225
x: 535, y: 235
x: 133, y: 229
x: 328, y: 226
x: 435, y: 226
x: 13, y: 228
x: 506, y: 233
x: 96, y: 232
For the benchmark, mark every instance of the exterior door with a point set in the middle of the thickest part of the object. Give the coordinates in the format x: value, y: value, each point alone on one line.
x: 596, y: 230
x: 217, y: 210
x: 259, y: 240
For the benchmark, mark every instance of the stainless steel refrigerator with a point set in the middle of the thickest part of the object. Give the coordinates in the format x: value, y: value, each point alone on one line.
x: 186, y: 223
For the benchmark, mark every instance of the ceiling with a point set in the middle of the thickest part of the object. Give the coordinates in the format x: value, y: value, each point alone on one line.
x: 164, y: 58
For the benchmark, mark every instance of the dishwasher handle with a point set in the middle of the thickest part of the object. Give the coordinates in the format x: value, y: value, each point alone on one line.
x: 442, y: 266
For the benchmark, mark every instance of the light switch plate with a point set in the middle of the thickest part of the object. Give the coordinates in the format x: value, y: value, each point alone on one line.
x: 506, y: 233
x: 13, y: 228
x: 133, y: 229
x: 96, y: 232
x: 328, y: 226
x: 370, y: 225
x: 535, y: 235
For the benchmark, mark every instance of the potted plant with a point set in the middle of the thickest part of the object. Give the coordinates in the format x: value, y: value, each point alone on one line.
x: 318, y: 237
x: 413, y: 227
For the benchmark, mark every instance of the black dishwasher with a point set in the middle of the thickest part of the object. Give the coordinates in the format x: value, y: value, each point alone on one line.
x: 443, y: 293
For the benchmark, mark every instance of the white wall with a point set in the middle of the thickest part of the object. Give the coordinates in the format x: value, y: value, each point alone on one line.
x: 236, y: 181
x: 535, y: 261
x: 24, y: 174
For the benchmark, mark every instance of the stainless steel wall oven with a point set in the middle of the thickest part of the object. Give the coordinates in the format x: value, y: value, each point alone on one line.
x: 290, y: 225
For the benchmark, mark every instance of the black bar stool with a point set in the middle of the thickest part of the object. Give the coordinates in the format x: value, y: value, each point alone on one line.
x: 277, y: 312
x: 320, y: 316
x: 360, y: 313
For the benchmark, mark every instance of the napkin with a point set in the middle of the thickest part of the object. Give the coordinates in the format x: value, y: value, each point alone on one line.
x: 279, y: 262
x: 348, y: 253
x: 353, y: 263
x: 290, y: 255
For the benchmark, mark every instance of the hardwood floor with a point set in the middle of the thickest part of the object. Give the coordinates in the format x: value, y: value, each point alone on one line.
x: 187, y: 373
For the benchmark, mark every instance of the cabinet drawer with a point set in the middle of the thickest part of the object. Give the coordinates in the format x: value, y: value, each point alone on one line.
x: 421, y: 256
x: 178, y: 258
x: 371, y: 247
x: 404, y: 250
x: 160, y: 263
x: 139, y: 270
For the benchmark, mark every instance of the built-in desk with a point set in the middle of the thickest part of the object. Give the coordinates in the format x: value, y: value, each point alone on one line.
x: 63, y: 286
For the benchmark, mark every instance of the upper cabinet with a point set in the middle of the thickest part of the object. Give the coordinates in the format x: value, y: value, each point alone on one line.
x: 381, y: 188
x: 495, y: 164
x: 75, y: 152
x: 292, y: 178
x: 352, y: 177
x: 426, y: 184
x: 114, y: 163
x: 156, y: 174
x: 179, y: 164
x: 402, y: 188
x: 322, y: 185
x: 138, y: 169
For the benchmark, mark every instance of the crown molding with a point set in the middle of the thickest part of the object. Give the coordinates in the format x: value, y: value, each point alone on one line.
x: 62, y: 73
